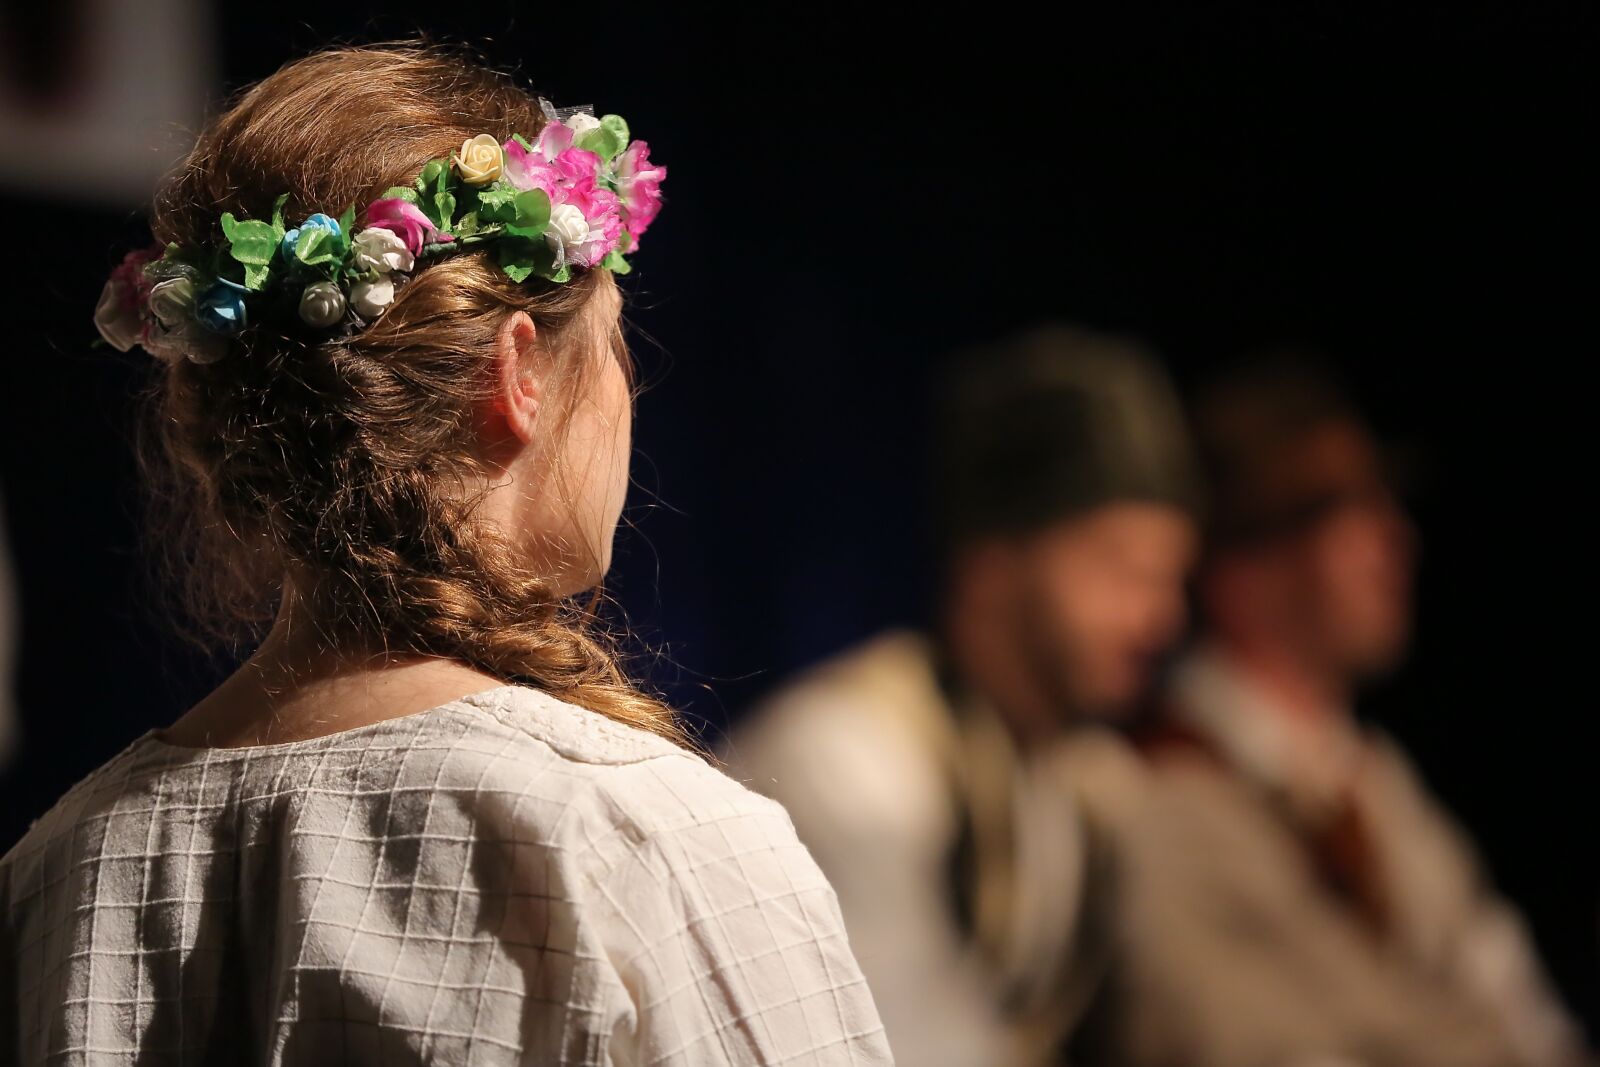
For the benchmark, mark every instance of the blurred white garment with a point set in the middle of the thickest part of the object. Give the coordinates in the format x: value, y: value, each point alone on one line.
x: 892, y: 789
x: 1236, y: 949
x: 126, y: 83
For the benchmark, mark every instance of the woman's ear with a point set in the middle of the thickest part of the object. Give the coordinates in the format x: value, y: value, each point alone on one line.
x: 519, y: 390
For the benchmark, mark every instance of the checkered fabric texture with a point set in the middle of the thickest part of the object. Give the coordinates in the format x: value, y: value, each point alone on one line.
x: 505, y: 879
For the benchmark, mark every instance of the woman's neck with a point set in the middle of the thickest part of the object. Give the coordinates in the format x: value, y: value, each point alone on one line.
x: 298, y: 686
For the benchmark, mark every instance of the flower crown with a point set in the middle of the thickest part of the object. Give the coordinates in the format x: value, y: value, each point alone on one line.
x: 577, y: 197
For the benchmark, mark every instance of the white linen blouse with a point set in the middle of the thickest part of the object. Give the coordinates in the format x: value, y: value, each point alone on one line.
x: 506, y: 878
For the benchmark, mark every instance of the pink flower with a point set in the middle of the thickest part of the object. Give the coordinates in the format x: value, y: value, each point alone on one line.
x: 129, y: 274
x: 597, y: 204
x: 536, y: 170
x: 524, y: 169
x: 530, y: 168
x: 554, y: 139
x: 586, y: 216
x: 405, y: 220
x: 601, y: 211
x: 120, y: 314
x: 576, y: 166
x: 639, y: 186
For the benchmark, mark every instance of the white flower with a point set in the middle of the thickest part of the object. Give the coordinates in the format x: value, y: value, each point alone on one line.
x: 369, y: 299
x: 381, y: 250
x: 321, y: 304
x: 581, y: 124
x: 481, y: 159
x: 171, y: 301
x: 568, y: 230
x: 116, y: 316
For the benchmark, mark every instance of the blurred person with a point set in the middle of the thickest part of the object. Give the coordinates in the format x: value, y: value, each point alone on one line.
x: 919, y: 767
x: 1291, y: 894
x: 9, y: 640
x: 430, y: 819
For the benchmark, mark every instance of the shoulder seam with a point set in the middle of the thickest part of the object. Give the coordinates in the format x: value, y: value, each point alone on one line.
x: 611, y: 743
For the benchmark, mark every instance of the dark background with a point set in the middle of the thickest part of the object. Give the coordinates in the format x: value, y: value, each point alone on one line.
x: 854, y: 193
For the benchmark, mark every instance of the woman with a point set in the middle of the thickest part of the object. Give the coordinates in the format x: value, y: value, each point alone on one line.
x: 429, y: 820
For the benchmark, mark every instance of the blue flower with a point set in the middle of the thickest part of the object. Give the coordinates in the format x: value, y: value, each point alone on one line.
x: 319, y: 221
x: 220, y: 308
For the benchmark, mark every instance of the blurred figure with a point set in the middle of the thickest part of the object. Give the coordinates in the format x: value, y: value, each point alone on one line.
x: 8, y: 646
x: 1291, y: 893
x: 131, y: 79
x: 919, y: 768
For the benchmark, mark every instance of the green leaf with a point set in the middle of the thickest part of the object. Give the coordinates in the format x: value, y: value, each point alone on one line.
x: 430, y: 174
x: 171, y: 265
x: 445, y: 204
x: 532, y: 207
x: 530, y: 213
x: 615, y: 263
x: 256, y: 275
x: 618, y: 126
x: 400, y: 192
x: 434, y: 195
x: 523, y: 141
x: 347, y: 221
x: 249, y: 241
x: 493, y: 199
x: 522, y: 256
x: 316, y: 246
x: 524, y: 213
x: 516, y: 258
x: 277, y: 215
x: 602, y: 141
x: 467, y: 225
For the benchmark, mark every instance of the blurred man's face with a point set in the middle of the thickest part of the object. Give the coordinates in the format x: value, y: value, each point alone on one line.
x: 1099, y: 597
x: 1355, y: 585
x: 1339, y: 590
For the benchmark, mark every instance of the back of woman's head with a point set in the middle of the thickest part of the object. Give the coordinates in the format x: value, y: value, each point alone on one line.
x: 345, y: 465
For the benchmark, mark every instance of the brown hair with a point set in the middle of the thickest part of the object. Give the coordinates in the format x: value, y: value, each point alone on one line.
x: 341, y: 459
x: 1258, y: 423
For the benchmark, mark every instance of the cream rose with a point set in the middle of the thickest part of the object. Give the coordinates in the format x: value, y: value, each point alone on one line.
x: 381, y: 250
x: 321, y: 304
x: 172, y: 301
x: 481, y: 159
x: 370, y: 299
